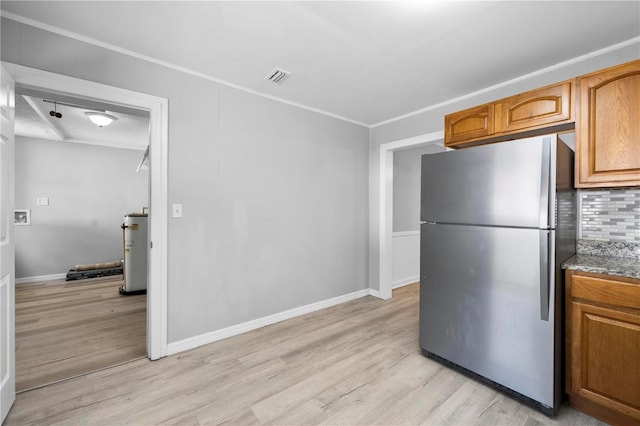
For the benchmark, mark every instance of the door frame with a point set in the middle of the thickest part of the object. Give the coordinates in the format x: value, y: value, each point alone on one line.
x: 385, y: 205
x: 158, y: 177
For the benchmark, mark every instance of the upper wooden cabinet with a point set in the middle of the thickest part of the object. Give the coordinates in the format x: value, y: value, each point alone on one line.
x: 608, y: 127
x: 496, y: 121
x: 470, y: 124
x: 537, y: 108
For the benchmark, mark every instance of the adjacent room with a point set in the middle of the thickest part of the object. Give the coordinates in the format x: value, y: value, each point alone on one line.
x: 76, y: 181
x: 356, y: 212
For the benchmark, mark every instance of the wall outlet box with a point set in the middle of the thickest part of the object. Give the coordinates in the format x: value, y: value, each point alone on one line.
x: 42, y: 201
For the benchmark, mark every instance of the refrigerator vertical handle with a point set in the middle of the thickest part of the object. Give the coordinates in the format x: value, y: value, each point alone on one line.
x: 544, y: 275
x: 545, y: 184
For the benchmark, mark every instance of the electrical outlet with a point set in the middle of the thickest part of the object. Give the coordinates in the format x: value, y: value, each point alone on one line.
x: 42, y: 201
x: 177, y: 210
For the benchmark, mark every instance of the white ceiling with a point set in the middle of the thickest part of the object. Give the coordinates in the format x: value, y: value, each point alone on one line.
x: 364, y: 61
x: 130, y: 130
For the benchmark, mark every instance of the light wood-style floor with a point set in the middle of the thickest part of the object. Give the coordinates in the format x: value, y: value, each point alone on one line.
x: 355, y: 363
x: 64, y: 329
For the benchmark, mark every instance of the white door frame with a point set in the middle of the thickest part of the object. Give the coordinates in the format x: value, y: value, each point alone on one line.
x: 158, y: 174
x: 385, y: 207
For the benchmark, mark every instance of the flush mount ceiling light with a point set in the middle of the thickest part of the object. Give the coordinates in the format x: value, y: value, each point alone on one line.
x: 100, y: 118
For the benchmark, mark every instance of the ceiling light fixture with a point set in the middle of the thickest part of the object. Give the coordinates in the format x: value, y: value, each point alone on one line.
x: 55, y: 112
x: 100, y: 118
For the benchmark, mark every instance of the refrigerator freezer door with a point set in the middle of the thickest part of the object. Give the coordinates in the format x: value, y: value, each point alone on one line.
x: 480, y: 304
x: 504, y: 184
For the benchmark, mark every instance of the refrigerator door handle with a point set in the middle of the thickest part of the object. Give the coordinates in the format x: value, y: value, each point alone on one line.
x: 545, y: 183
x: 544, y: 275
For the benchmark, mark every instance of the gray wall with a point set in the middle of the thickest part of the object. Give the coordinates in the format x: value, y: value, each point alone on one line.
x: 275, y: 198
x: 433, y: 120
x: 89, y: 188
x: 406, y: 187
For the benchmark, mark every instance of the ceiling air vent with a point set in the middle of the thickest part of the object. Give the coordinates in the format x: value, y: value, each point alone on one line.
x: 278, y: 75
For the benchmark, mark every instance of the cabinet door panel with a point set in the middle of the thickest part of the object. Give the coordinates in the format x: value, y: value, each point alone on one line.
x: 606, y: 357
x: 469, y: 124
x: 536, y: 108
x: 608, y: 131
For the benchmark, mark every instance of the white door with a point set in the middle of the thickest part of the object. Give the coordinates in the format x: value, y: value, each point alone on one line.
x: 7, y: 246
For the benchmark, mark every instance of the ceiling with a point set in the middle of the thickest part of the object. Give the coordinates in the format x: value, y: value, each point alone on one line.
x: 130, y: 130
x: 365, y: 61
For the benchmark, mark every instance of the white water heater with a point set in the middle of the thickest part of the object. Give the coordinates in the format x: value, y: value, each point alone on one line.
x: 135, y: 242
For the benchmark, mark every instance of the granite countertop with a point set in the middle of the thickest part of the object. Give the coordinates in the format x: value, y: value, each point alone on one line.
x: 607, y: 265
x: 619, y: 259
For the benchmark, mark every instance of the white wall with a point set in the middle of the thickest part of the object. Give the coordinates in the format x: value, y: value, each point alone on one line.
x: 275, y: 198
x: 406, y: 213
x: 405, y: 267
x: 406, y: 186
x: 432, y: 120
x: 89, y: 188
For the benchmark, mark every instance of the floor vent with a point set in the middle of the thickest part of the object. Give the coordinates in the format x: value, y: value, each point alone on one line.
x: 278, y: 75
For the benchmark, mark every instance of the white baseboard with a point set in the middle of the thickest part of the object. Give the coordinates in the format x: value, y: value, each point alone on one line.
x: 405, y: 281
x: 41, y: 278
x: 214, y: 336
x: 375, y: 293
x: 405, y: 234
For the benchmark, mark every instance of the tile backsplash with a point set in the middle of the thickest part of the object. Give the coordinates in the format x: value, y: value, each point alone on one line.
x: 610, y: 215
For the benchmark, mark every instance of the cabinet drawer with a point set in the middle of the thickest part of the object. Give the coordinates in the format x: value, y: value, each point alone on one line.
x: 606, y: 291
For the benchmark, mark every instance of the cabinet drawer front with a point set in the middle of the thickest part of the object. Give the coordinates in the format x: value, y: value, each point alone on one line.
x: 469, y: 124
x: 542, y: 107
x: 606, y: 291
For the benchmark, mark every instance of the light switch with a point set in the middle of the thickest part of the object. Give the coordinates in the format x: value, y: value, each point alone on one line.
x: 42, y: 201
x: 177, y: 210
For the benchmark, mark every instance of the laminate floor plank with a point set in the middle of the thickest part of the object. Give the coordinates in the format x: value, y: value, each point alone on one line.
x: 357, y: 363
x: 65, y: 329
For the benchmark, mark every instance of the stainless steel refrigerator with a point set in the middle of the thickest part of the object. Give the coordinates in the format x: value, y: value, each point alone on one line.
x: 496, y: 223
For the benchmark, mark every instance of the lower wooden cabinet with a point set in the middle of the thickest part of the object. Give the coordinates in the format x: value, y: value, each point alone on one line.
x: 603, y: 346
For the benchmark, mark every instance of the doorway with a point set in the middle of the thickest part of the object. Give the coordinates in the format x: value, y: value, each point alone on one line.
x: 77, y: 180
x: 156, y: 318
x: 384, y: 217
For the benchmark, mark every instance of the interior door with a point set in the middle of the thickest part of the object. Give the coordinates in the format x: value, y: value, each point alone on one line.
x: 7, y: 245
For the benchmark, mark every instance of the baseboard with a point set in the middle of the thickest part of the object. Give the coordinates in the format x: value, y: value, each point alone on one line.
x: 214, y: 336
x: 41, y: 278
x: 405, y: 281
x: 405, y: 234
x: 375, y: 293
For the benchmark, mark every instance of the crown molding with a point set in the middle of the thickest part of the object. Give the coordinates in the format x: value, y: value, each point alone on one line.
x: 114, y: 48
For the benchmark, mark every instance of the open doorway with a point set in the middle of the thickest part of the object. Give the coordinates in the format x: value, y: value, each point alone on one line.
x: 156, y: 318
x: 406, y: 213
x: 77, y: 180
x: 383, y: 216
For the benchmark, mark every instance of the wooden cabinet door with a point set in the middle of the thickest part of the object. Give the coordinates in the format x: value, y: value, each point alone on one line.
x: 608, y: 127
x: 470, y: 124
x: 603, y: 346
x: 605, y: 357
x: 536, y: 108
